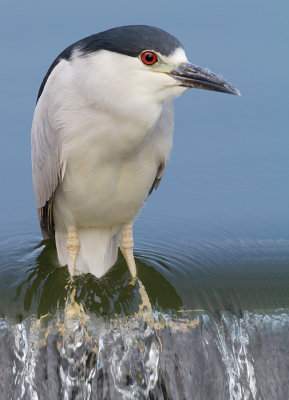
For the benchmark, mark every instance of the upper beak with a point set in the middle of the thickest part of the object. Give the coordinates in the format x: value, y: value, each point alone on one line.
x: 192, y: 76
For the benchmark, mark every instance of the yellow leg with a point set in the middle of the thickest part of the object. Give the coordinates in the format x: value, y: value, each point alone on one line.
x: 73, y: 246
x: 126, y: 247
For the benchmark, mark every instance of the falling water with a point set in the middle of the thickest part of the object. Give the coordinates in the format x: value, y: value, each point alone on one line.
x: 222, y: 356
x: 218, y: 327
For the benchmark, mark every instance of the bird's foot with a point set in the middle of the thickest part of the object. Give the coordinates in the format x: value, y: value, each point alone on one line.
x: 145, y: 304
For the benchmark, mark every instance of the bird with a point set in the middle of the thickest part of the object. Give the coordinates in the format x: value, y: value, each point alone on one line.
x: 101, y: 137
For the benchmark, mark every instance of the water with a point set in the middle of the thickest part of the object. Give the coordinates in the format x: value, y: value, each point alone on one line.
x: 218, y: 329
x: 211, y: 245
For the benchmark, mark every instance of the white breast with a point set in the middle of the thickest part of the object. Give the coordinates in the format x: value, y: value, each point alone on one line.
x: 113, y: 140
x: 110, y: 171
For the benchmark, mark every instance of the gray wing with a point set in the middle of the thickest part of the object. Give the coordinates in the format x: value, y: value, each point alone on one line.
x: 165, y: 128
x: 158, y: 178
x: 46, y: 168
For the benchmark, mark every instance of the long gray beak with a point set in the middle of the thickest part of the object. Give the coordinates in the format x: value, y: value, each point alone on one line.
x: 192, y: 76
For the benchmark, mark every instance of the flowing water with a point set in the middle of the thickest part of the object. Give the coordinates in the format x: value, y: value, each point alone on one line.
x: 218, y: 328
x: 212, y: 245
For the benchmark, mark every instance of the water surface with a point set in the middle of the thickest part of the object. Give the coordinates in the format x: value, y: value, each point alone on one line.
x: 211, y: 245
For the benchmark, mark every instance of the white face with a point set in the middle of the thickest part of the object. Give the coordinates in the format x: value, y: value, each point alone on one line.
x: 105, y: 77
x: 166, y: 86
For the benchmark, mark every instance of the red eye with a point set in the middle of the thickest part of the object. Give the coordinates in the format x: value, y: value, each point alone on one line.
x: 149, y: 58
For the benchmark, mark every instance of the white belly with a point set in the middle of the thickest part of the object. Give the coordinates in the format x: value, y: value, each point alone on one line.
x: 107, y: 179
x: 107, y: 194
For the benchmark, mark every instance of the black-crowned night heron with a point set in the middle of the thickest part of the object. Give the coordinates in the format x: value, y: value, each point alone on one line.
x: 101, y: 136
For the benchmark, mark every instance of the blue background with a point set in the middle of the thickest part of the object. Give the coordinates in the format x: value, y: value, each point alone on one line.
x: 230, y: 157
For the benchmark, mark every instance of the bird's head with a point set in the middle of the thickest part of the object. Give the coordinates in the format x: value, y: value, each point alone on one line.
x: 129, y: 70
x: 143, y: 61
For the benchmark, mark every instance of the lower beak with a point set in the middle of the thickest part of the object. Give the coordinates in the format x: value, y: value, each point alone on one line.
x: 191, y: 76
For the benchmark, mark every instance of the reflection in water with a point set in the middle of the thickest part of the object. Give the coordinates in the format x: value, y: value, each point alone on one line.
x: 218, y: 330
x: 45, y: 287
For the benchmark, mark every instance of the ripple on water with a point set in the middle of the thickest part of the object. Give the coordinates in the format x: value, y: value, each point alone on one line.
x: 183, y: 266
x: 219, y: 330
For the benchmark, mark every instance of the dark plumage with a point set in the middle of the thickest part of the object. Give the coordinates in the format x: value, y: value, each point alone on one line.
x: 130, y: 40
